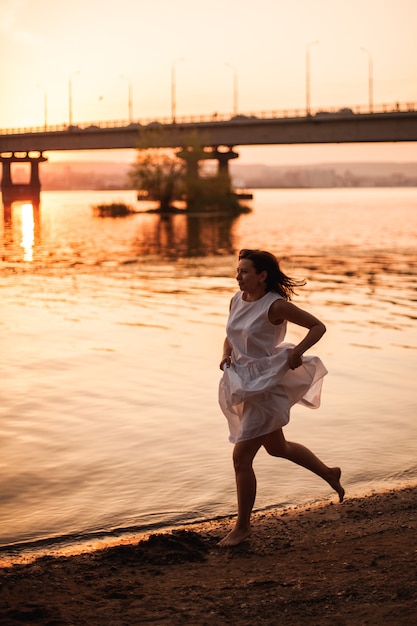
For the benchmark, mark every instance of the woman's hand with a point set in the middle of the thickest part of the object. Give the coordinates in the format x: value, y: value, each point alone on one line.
x: 226, y: 361
x: 294, y: 359
x: 227, y: 355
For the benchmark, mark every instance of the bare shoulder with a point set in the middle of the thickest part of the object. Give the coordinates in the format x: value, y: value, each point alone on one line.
x: 282, y: 309
x: 277, y: 311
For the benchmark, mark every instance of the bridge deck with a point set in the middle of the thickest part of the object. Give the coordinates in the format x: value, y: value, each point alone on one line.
x: 390, y: 124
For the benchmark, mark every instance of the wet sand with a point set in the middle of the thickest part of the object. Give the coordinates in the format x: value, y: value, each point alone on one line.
x: 337, y: 564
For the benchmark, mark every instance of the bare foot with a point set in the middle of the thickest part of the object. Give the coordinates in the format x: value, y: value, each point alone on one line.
x: 235, y: 537
x: 334, y: 482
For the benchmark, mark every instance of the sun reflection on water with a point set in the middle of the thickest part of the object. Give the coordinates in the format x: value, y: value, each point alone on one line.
x: 28, y: 231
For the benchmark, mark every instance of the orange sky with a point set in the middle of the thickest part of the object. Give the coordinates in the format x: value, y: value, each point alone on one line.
x: 104, y: 50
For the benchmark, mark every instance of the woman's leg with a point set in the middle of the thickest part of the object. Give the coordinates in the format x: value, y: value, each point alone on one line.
x: 243, y: 455
x: 276, y: 445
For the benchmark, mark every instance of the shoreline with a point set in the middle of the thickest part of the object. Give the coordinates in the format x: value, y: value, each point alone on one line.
x: 349, y: 563
x: 27, y: 551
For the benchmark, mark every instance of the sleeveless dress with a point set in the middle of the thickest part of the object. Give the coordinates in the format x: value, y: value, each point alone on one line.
x: 258, y: 389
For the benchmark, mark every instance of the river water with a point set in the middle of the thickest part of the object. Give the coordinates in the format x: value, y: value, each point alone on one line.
x: 111, y: 335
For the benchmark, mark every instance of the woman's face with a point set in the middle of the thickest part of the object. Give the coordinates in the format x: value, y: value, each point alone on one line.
x: 248, y: 278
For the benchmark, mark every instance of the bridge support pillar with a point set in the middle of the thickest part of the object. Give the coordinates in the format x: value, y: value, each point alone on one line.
x: 13, y: 192
x: 223, y: 159
x: 214, y: 190
x: 194, y: 187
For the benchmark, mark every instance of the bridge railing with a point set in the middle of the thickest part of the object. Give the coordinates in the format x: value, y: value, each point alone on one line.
x: 397, y: 107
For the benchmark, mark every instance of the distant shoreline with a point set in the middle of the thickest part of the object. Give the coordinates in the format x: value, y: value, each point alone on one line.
x: 252, y: 187
x: 101, y: 176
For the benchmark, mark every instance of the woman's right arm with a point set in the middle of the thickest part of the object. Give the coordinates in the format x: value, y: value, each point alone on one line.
x: 227, y: 348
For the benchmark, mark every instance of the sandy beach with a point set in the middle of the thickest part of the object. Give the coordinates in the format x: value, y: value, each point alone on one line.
x: 353, y: 563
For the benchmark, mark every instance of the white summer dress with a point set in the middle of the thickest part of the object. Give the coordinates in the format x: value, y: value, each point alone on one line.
x: 258, y: 389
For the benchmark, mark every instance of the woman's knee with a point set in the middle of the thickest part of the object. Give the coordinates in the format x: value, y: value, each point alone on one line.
x: 242, y: 462
x: 243, y: 455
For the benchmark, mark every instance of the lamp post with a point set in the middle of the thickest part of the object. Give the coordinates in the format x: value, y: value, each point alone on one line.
x: 370, y: 79
x: 173, y: 89
x: 130, y: 97
x: 235, y: 88
x: 45, y: 106
x: 70, y: 96
x: 312, y: 43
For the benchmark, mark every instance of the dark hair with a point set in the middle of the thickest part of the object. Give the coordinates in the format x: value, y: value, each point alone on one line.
x: 276, y: 280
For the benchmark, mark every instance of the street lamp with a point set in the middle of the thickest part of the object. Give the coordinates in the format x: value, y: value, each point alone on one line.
x: 312, y: 43
x: 235, y: 89
x: 45, y: 106
x: 370, y: 79
x: 130, y: 98
x: 173, y: 89
x: 70, y: 95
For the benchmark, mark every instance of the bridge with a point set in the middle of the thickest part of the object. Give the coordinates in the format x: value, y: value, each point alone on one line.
x: 384, y: 123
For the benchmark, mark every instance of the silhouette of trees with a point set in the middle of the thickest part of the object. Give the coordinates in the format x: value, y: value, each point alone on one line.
x: 164, y: 175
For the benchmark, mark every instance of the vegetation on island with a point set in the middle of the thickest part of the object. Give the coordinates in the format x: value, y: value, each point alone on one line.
x: 159, y: 175
x: 113, y: 209
x: 169, y: 176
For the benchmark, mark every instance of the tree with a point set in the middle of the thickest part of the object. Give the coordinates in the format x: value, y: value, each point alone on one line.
x: 160, y: 174
x: 166, y: 176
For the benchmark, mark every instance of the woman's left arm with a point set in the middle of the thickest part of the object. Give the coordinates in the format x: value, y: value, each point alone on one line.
x: 284, y: 310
